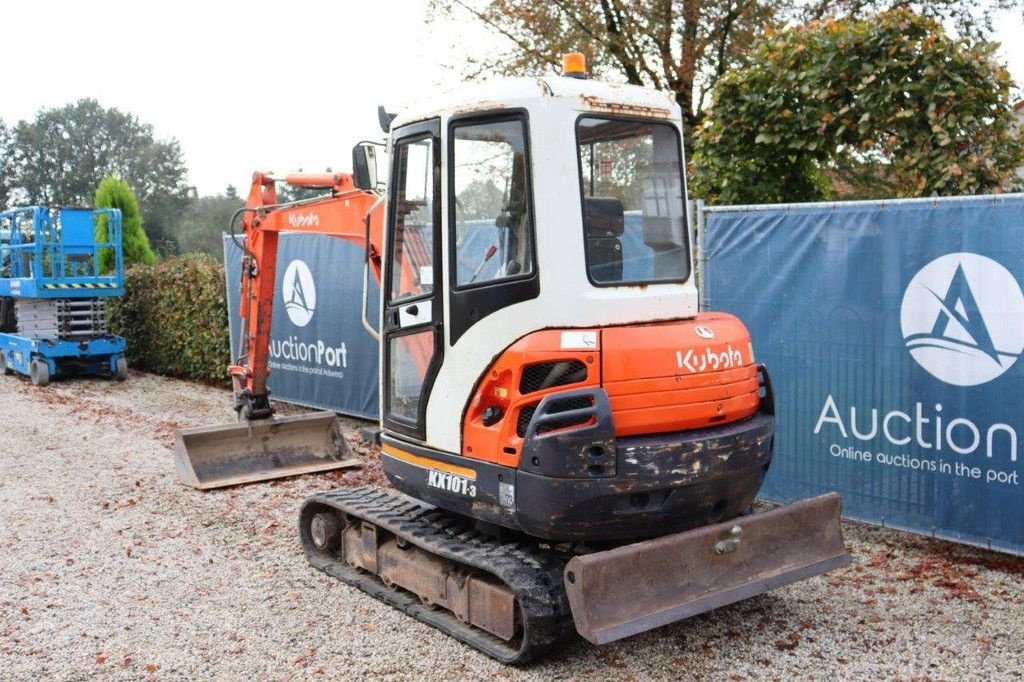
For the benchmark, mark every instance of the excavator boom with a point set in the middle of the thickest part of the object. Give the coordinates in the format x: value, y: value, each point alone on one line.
x: 262, y: 445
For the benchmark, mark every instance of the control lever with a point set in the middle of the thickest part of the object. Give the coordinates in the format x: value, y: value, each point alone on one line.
x: 487, y: 256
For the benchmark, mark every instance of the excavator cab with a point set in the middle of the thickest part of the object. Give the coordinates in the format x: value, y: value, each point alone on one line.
x: 545, y: 367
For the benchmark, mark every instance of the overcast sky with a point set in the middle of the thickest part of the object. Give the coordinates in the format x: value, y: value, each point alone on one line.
x: 250, y: 85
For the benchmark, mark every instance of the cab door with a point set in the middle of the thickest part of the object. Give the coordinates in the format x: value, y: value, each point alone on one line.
x: 412, y: 327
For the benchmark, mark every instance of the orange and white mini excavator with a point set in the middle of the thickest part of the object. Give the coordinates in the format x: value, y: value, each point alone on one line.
x: 575, y: 446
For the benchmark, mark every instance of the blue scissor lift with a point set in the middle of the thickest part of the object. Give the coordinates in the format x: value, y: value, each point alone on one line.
x: 53, y: 293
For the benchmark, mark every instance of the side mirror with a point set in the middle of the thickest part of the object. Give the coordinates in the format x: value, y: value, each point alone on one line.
x: 364, y: 165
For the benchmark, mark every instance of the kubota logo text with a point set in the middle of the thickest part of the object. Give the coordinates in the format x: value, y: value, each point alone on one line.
x: 963, y: 319
x: 709, y: 360
x: 299, y: 293
x: 304, y: 220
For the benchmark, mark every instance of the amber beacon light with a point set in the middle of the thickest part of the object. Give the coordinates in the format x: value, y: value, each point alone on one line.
x: 574, y: 65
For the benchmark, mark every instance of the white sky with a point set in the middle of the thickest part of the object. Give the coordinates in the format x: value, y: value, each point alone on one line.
x: 250, y: 85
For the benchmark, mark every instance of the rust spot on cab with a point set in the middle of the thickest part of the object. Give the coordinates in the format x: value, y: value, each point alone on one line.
x: 597, y: 104
x: 477, y: 107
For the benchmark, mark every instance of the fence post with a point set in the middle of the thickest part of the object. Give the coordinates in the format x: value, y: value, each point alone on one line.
x: 700, y: 260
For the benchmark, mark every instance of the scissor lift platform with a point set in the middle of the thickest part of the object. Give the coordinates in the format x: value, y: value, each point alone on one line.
x: 55, y: 278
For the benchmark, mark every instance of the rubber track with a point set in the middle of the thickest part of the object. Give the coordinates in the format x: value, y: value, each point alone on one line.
x: 532, y: 573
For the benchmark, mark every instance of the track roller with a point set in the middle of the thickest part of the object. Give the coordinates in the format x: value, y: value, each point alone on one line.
x: 325, y: 531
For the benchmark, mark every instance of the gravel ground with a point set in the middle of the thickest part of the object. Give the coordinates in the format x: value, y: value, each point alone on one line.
x: 110, y: 568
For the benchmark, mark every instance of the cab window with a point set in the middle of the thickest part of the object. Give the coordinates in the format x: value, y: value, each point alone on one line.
x: 634, y: 210
x: 412, y: 256
x: 493, y: 226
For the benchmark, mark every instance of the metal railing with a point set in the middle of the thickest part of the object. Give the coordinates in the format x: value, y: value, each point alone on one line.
x: 45, y: 251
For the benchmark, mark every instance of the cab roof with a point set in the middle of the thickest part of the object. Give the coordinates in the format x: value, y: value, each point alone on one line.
x: 506, y: 93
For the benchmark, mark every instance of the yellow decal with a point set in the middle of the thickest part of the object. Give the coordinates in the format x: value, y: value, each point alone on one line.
x: 427, y: 463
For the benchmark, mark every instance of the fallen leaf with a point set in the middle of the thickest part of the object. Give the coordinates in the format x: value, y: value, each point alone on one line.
x: 791, y: 642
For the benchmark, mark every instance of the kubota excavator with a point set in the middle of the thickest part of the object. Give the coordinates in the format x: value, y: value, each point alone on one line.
x: 575, y: 446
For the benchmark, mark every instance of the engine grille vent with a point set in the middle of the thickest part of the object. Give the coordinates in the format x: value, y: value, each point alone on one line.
x: 550, y: 374
x: 564, y: 405
x: 525, y: 415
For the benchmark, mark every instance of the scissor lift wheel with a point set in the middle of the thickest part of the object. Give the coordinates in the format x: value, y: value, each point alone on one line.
x: 39, y: 372
x: 3, y: 364
x: 122, y: 369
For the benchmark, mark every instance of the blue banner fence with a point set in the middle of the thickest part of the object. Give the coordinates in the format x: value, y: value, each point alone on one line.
x: 892, y: 332
x: 320, y: 354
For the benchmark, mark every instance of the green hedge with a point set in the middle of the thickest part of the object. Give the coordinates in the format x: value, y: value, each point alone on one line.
x: 174, y: 315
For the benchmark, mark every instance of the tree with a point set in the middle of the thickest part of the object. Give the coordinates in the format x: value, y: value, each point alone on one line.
x: 681, y: 46
x: 114, y: 192
x: 890, y: 103
x: 205, y: 221
x: 60, y: 157
x: 5, y: 171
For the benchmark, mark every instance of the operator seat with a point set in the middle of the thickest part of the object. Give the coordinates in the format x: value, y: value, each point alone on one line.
x: 603, y: 224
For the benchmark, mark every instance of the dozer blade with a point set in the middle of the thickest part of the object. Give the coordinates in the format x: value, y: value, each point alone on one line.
x: 638, y: 587
x: 231, y: 454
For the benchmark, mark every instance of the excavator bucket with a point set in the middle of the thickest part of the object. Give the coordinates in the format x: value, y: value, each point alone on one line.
x: 638, y: 587
x: 231, y: 454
